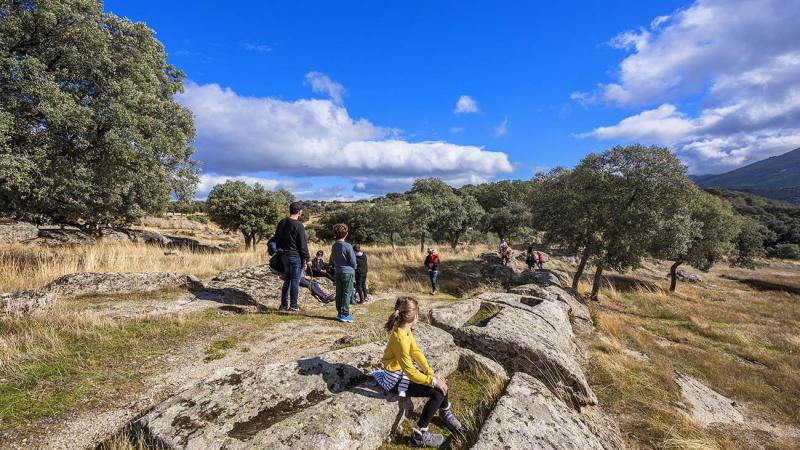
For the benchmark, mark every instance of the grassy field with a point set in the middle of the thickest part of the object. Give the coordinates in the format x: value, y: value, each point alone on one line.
x: 739, y: 341
x: 737, y: 332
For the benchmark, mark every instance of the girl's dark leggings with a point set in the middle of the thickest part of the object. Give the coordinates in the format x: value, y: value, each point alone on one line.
x: 436, y: 400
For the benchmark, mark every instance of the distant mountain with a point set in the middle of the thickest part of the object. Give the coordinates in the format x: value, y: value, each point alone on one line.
x: 777, y: 177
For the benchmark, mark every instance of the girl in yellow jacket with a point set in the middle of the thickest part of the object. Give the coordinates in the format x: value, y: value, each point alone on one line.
x: 400, y: 376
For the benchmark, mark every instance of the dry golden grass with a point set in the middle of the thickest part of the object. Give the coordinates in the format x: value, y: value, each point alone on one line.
x: 739, y: 341
x: 27, y: 267
x: 402, y: 270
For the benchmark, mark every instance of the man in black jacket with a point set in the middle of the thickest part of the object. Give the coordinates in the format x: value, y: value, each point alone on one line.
x: 292, y: 239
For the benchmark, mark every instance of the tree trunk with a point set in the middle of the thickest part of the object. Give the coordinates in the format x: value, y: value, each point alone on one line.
x: 247, y: 241
x: 673, y: 275
x: 598, y: 280
x: 391, y: 238
x: 581, y: 266
x: 422, y: 242
x: 454, y: 242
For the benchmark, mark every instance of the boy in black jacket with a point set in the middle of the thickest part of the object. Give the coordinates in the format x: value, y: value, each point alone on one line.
x: 361, y: 273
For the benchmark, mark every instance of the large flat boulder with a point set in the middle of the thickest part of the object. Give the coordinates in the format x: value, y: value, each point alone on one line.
x: 329, y: 401
x: 528, y: 334
x: 55, y: 237
x: 709, y: 407
x: 576, y: 307
x: 14, y: 231
x: 26, y: 302
x: 259, y: 285
x: 117, y: 283
x: 529, y: 416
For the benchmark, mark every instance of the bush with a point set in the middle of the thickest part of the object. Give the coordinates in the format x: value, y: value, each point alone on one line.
x: 784, y: 251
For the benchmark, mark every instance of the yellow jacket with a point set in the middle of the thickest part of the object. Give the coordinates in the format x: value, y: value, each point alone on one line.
x: 400, y: 350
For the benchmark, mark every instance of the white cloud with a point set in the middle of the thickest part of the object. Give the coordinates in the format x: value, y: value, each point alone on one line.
x: 240, y: 135
x: 208, y: 181
x: 739, y: 60
x: 465, y: 105
x: 378, y: 186
x: 260, y: 48
x: 501, y: 129
x: 322, y: 84
x: 456, y: 130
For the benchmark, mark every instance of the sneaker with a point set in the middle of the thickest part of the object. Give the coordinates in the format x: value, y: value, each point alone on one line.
x: 294, y: 309
x: 450, y: 421
x: 424, y: 438
x: 347, y: 319
x: 283, y: 308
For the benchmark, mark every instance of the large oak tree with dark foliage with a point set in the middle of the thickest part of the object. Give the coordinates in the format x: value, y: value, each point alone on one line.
x: 90, y: 133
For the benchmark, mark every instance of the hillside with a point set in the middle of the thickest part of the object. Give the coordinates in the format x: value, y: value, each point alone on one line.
x: 777, y: 177
x: 781, y: 218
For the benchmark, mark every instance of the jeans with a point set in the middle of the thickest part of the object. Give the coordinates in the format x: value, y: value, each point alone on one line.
x: 292, y: 272
x: 344, y: 292
x: 315, y: 289
x: 434, y: 279
x: 361, y: 287
x: 436, y: 400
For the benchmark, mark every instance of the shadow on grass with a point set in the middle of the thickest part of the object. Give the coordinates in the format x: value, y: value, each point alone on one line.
x: 764, y: 285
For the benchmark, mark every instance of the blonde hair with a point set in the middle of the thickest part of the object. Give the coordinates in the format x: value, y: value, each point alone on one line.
x: 405, y: 310
x: 340, y: 230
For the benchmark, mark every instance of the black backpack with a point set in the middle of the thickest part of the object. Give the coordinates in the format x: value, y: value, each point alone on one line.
x: 276, y: 263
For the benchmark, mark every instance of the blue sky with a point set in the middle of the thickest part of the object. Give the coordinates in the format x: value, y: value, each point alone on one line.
x: 546, y: 84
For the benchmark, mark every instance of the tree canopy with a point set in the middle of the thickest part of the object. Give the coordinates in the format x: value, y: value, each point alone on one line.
x: 90, y: 133
x: 250, y: 210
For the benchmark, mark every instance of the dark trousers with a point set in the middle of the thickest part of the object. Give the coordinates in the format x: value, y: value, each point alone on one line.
x: 316, y: 291
x: 434, y: 279
x: 344, y: 292
x: 361, y: 286
x: 292, y: 273
x: 327, y: 274
x: 436, y: 400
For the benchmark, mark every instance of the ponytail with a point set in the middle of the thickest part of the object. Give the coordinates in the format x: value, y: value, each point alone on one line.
x: 405, y: 310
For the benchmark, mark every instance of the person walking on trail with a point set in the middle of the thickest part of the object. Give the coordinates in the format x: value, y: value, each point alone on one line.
x: 531, y: 259
x: 432, y: 264
x: 361, y: 273
x: 343, y: 258
x: 292, y: 239
x: 505, y: 252
x: 541, y: 260
x: 398, y: 370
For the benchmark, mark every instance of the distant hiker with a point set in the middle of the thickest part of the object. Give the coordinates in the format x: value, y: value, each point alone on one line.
x: 505, y: 253
x: 343, y: 258
x: 400, y: 376
x: 541, y: 260
x: 432, y: 264
x: 316, y: 290
x: 319, y: 268
x: 292, y: 240
x: 361, y: 273
x: 531, y: 260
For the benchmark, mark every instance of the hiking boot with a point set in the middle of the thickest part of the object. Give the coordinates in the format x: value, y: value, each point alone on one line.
x: 450, y: 421
x: 424, y: 438
x: 329, y: 298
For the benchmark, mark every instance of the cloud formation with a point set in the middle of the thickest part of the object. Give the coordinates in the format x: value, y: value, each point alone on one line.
x: 239, y: 135
x: 208, y: 181
x: 501, y: 129
x: 465, y: 105
x: 322, y: 84
x: 740, y: 58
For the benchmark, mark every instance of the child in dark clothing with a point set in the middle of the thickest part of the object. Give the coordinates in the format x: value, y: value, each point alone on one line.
x: 361, y: 273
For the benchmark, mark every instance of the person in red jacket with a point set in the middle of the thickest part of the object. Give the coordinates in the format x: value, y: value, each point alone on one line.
x: 432, y: 264
x: 541, y: 260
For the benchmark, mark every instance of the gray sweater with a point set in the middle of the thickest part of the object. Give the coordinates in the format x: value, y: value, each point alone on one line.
x: 343, y: 257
